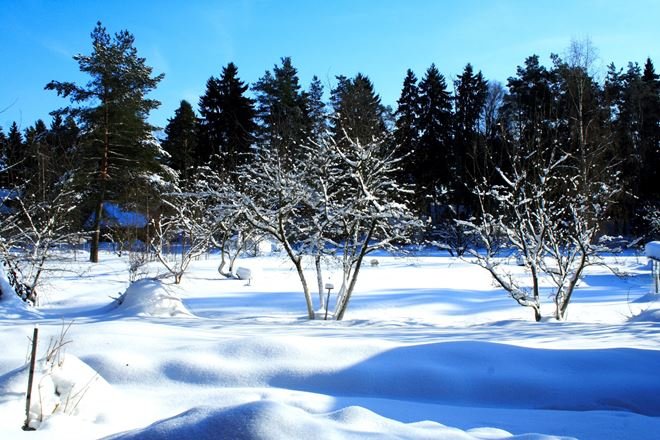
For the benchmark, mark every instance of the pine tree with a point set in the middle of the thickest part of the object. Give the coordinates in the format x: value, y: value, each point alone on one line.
x: 433, y: 159
x: 119, y: 150
x: 181, y: 140
x: 227, y: 120
x: 406, y: 133
x: 282, y: 110
x: 529, y: 112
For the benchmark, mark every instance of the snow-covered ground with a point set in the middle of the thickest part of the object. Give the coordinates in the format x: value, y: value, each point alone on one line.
x: 429, y: 349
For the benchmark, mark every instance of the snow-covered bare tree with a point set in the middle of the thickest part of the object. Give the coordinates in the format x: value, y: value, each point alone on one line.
x: 514, y: 215
x: 277, y: 195
x: 232, y: 232
x: 548, y: 207
x: 368, y: 211
x: 32, y: 227
x: 183, y: 231
x: 337, y: 199
x: 549, y: 197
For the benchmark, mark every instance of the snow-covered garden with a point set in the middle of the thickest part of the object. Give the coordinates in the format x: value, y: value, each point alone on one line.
x: 429, y: 349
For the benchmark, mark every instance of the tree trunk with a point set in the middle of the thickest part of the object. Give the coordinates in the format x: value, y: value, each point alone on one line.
x: 319, y: 280
x: 96, y: 234
x: 103, y: 177
x: 358, y: 263
x: 303, y: 281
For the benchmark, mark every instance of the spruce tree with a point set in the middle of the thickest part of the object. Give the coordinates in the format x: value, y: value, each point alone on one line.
x: 649, y: 191
x: 433, y: 156
x: 37, y: 164
x: 282, y: 111
x: 227, y: 125
x: 63, y: 137
x: 406, y: 132
x: 4, y: 162
x: 469, y: 101
x: 119, y: 152
x: 358, y: 112
x: 3, y: 153
x: 317, y: 110
x: 181, y: 141
x: 14, y: 151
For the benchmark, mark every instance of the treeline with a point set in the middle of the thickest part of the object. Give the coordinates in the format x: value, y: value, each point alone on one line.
x: 450, y: 135
x: 545, y: 167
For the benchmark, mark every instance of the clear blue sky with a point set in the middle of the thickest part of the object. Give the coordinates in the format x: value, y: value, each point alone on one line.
x: 191, y: 40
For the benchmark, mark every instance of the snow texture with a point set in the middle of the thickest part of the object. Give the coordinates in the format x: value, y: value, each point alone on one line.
x: 429, y: 350
x: 268, y: 420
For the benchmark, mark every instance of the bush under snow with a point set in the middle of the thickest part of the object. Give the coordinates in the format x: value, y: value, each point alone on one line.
x: 61, y: 387
x: 150, y: 297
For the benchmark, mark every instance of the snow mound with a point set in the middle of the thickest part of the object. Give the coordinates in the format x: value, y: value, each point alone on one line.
x: 652, y: 250
x: 151, y: 297
x: 11, y: 306
x: 649, y: 315
x: 68, y: 387
x: 274, y: 421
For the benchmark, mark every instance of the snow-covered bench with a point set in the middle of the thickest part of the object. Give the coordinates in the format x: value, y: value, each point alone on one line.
x: 652, y: 251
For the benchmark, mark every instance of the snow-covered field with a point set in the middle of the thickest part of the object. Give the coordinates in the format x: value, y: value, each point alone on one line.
x: 429, y: 349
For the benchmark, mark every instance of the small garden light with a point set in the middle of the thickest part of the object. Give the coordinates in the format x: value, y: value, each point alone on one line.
x: 329, y: 286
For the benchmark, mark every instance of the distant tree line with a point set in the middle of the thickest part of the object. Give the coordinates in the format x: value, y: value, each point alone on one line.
x: 319, y: 172
x: 449, y: 135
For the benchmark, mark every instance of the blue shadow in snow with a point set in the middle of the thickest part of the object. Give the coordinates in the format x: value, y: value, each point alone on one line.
x: 484, y: 374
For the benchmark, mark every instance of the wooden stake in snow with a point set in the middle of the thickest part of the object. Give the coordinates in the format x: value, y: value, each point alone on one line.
x: 33, y: 360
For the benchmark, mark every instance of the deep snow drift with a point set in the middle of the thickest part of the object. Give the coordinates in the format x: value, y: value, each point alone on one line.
x: 430, y: 349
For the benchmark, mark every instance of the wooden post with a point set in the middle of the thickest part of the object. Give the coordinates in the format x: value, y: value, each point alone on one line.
x: 33, y: 360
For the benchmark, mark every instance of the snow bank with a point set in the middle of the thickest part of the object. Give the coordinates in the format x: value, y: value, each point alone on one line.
x: 68, y: 387
x: 273, y: 421
x: 151, y: 297
x: 652, y: 250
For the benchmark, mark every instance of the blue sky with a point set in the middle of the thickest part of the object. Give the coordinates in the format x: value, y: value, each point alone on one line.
x: 191, y: 40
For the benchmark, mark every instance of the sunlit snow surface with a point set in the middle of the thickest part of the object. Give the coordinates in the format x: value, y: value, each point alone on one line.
x: 429, y: 349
